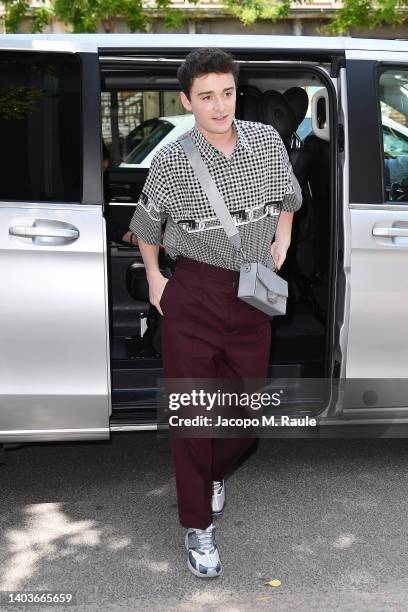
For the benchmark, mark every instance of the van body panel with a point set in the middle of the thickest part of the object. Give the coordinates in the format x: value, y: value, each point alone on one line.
x: 48, y: 42
x: 378, y: 332
x: 123, y: 42
x: 53, y: 347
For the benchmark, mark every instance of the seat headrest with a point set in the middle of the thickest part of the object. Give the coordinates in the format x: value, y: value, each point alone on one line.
x: 277, y: 112
x: 247, y: 107
x: 298, y: 101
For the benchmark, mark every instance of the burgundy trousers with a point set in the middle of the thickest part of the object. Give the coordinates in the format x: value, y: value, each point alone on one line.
x: 208, y: 332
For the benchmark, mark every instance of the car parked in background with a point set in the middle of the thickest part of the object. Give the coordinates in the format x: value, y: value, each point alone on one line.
x: 166, y: 129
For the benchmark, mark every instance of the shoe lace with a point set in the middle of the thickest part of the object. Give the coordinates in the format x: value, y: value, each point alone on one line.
x: 217, y: 486
x: 206, y: 540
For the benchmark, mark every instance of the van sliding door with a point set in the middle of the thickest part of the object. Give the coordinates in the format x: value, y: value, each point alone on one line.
x: 377, y: 241
x: 54, y: 354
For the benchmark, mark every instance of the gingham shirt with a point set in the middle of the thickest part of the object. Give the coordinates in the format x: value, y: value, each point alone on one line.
x: 256, y: 182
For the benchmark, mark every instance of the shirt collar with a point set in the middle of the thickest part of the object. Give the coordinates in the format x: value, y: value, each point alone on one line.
x: 209, y: 153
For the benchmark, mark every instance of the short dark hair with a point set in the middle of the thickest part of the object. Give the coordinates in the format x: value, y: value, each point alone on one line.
x: 204, y: 61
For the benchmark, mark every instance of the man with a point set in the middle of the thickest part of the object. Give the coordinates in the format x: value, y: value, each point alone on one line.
x: 207, y: 331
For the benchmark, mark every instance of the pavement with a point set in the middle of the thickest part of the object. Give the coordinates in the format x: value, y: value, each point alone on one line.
x: 327, y: 518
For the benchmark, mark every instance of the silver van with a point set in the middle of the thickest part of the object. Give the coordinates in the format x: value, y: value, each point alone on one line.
x: 79, y: 341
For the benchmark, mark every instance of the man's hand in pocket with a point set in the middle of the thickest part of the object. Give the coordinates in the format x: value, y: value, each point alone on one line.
x: 156, y: 288
x: 278, y: 252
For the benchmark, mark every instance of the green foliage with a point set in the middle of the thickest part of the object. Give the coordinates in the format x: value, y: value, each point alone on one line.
x: 17, y: 100
x: 352, y: 14
x: 14, y: 10
x: 173, y: 18
x: 42, y: 16
x: 365, y: 14
x: 86, y: 15
x: 249, y: 11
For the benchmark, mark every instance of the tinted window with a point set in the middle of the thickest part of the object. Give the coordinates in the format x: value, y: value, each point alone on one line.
x: 40, y: 128
x: 393, y: 88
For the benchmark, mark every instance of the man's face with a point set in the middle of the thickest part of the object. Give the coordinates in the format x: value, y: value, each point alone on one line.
x: 212, y: 101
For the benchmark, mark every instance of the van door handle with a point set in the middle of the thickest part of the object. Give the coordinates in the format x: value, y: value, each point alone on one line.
x: 46, y: 232
x: 390, y: 232
x: 27, y: 231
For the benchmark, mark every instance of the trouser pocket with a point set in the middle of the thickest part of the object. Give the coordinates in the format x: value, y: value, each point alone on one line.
x: 164, y: 293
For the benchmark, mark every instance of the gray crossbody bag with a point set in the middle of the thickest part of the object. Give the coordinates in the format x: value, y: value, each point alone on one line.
x: 258, y: 285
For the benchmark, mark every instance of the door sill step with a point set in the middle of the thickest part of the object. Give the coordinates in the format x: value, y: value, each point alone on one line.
x: 124, y: 427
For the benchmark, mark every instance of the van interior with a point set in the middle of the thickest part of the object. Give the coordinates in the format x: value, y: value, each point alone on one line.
x: 140, y: 110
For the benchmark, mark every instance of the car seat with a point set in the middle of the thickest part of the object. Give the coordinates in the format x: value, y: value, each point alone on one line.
x: 247, y: 103
x: 285, y: 112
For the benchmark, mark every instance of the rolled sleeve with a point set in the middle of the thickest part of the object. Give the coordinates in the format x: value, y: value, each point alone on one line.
x: 151, y: 208
x: 292, y: 199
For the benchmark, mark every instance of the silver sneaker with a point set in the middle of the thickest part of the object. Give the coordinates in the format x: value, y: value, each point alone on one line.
x: 218, y: 497
x: 203, y: 558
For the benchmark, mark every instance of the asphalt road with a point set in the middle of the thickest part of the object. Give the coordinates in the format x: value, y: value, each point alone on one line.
x: 327, y: 518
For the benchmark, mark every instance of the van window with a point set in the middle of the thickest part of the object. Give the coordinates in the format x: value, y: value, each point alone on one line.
x: 393, y: 88
x: 40, y: 127
x: 135, y: 124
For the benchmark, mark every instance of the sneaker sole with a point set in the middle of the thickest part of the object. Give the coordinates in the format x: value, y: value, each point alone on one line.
x: 196, y: 572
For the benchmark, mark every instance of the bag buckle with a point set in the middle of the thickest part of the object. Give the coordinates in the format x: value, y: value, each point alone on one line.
x: 272, y: 297
x: 247, y: 264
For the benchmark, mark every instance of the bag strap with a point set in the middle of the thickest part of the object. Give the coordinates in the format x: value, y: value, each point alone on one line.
x: 210, y: 189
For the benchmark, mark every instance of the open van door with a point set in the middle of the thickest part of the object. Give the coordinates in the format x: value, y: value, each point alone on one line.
x: 54, y: 345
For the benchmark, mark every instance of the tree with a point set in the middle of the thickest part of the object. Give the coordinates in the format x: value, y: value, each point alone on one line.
x: 16, y: 10
x: 249, y: 11
x: 357, y: 14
